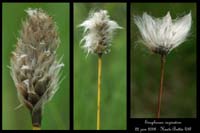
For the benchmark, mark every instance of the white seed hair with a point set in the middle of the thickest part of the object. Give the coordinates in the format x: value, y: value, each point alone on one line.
x: 25, y: 67
x: 164, y: 33
x: 98, y: 32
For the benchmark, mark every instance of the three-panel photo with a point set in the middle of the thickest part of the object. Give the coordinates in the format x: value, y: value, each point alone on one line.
x: 98, y: 66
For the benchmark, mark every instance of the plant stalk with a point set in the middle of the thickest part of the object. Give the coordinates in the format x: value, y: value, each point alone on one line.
x: 36, y: 119
x: 99, y: 90
x: 161, y: 86
x: 36, y: 128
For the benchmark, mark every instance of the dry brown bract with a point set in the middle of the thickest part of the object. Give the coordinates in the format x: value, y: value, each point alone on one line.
x: 34, y: 67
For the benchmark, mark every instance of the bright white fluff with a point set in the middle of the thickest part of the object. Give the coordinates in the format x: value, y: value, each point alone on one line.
x: 98, y: 32
x: 163, y: 35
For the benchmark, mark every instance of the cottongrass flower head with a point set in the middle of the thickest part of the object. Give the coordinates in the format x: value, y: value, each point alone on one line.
x: 34, y: 67
x: 98, y: 32
x: 161, y: 35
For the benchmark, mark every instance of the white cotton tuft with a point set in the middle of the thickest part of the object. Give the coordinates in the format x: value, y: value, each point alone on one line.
x: 98, y: 32
x: 163, y: 35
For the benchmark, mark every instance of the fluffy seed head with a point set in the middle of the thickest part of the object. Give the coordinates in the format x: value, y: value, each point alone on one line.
x: 163, y: 35
x: 98, y: 32
x: 34, y: 67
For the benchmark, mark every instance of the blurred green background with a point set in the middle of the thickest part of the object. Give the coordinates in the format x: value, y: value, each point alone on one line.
x: 56, y: 112
x: 113, y: 90
x: 179, y: 96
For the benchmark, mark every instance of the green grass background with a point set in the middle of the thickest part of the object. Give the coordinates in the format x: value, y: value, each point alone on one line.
x: 179, y: 98
x: 56, y: 112
x: 113, y: 91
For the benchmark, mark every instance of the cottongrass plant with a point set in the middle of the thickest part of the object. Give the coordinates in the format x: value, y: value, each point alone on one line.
x: 161, y: 36
x: 98, y: 33
x: 34, y: 68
